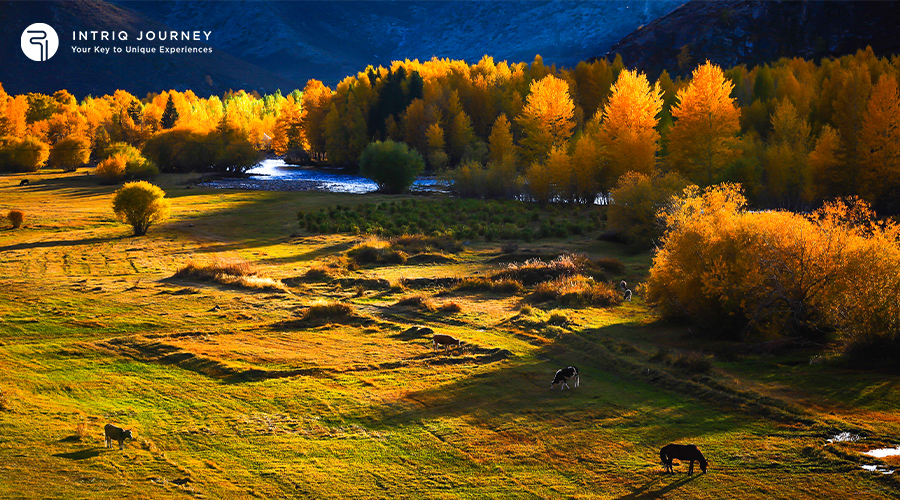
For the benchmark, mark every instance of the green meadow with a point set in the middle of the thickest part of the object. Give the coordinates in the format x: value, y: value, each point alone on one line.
x: 309, y: 379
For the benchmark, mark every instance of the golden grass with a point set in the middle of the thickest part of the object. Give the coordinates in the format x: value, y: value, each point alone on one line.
x: 333, y: 410
x: 229, y: 271
x: 577, y: 291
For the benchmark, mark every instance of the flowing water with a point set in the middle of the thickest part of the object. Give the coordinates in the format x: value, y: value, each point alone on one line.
x: 275, y: 175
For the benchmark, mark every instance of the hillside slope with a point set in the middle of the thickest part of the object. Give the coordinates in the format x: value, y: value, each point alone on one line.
x: 100, y: 74
x: 752, y: 32
x: 328, y: 40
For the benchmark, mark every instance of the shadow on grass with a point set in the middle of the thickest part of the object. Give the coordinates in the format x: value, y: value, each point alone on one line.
x: 60, y: 243
x: 81, y: 454
x: 645, y: 492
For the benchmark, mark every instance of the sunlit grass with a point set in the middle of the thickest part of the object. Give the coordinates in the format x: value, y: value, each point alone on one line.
x: 232, y: 394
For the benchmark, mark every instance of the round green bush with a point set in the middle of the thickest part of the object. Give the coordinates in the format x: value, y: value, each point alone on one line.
x: 391, y: 165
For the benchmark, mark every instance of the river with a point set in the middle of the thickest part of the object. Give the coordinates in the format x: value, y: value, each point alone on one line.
x: 275, y: 175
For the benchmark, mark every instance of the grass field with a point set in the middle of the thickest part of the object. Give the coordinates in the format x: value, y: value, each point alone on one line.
x: 233, y: 393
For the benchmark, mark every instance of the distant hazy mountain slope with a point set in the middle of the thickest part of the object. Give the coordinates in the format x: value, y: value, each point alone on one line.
x: 331, y: 39
x: 753, y: 32
x: 95, y: 74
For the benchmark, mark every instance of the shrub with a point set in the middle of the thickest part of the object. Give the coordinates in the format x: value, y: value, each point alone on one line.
x: 141, y: 205
x: 111, y: 170
x: 735, y: 272
x: 136, y: 165
x: 391, y: 165
x: 15, y: 218
x: 22, y: 155
x: 70, y: 153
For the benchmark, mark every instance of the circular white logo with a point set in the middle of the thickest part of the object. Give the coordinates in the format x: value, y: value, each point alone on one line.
x: 39, y: 42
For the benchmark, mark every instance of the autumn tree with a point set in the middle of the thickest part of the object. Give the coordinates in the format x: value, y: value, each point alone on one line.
x: 288, y: 128
x: 70, y: 153
x: 703, y: 139
x: 315, y: 103
x: 628, y: 130
x: 436, y: 156
x: 28, y: 154
x: 788, y: 180
x: 826, y: 166
x: 590, y: 176
x: 880, y: 145
x: 547, y: 118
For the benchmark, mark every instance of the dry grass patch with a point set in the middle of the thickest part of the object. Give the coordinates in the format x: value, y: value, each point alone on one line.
x: 451, y: 307
x: 534, y: 271
x: 419, y: 302
x: 502, y: 285
x: 234, y: 272
x: 327, y: 310
x: 376, y: 251
x: 577, y: 291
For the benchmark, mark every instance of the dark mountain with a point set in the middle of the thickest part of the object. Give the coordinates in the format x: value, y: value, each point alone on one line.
x: 328, y: 40
x: 754, y: 32
x: 100, y: 74
x: 265, y: 45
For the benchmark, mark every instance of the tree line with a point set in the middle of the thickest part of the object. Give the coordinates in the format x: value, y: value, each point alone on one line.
x: 794, y: 132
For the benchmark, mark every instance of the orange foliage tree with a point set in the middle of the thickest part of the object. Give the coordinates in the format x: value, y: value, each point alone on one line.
x: 703, y: 139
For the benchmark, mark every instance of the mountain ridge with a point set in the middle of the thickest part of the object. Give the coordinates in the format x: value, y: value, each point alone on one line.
x: 751, y: 32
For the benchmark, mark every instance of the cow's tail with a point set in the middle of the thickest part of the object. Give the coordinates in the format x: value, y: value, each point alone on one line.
x: 663, y: 458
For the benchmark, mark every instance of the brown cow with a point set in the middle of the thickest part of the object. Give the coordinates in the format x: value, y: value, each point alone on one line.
x: 444, y: 340
x: 114, y: 433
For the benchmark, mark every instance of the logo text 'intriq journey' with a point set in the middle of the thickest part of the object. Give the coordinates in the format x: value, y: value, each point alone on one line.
x: 39, y: 42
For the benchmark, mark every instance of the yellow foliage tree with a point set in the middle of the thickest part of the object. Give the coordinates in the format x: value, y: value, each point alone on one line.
x: 548, y: 117
x: 703, y: 139
x: 628, y: 131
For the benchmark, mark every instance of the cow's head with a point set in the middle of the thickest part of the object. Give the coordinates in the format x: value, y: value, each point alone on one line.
x: 126, y: 434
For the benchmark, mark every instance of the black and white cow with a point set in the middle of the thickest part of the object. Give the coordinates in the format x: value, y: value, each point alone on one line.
x: 563, y: 375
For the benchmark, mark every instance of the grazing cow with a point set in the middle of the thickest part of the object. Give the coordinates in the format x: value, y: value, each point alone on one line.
x: 682, y: 452
x: 444, y: 340
x: 623, y: 285
x: 24, y: 182
x: 114, y: 433
x: 627, y: 296
x: 563, y: 375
